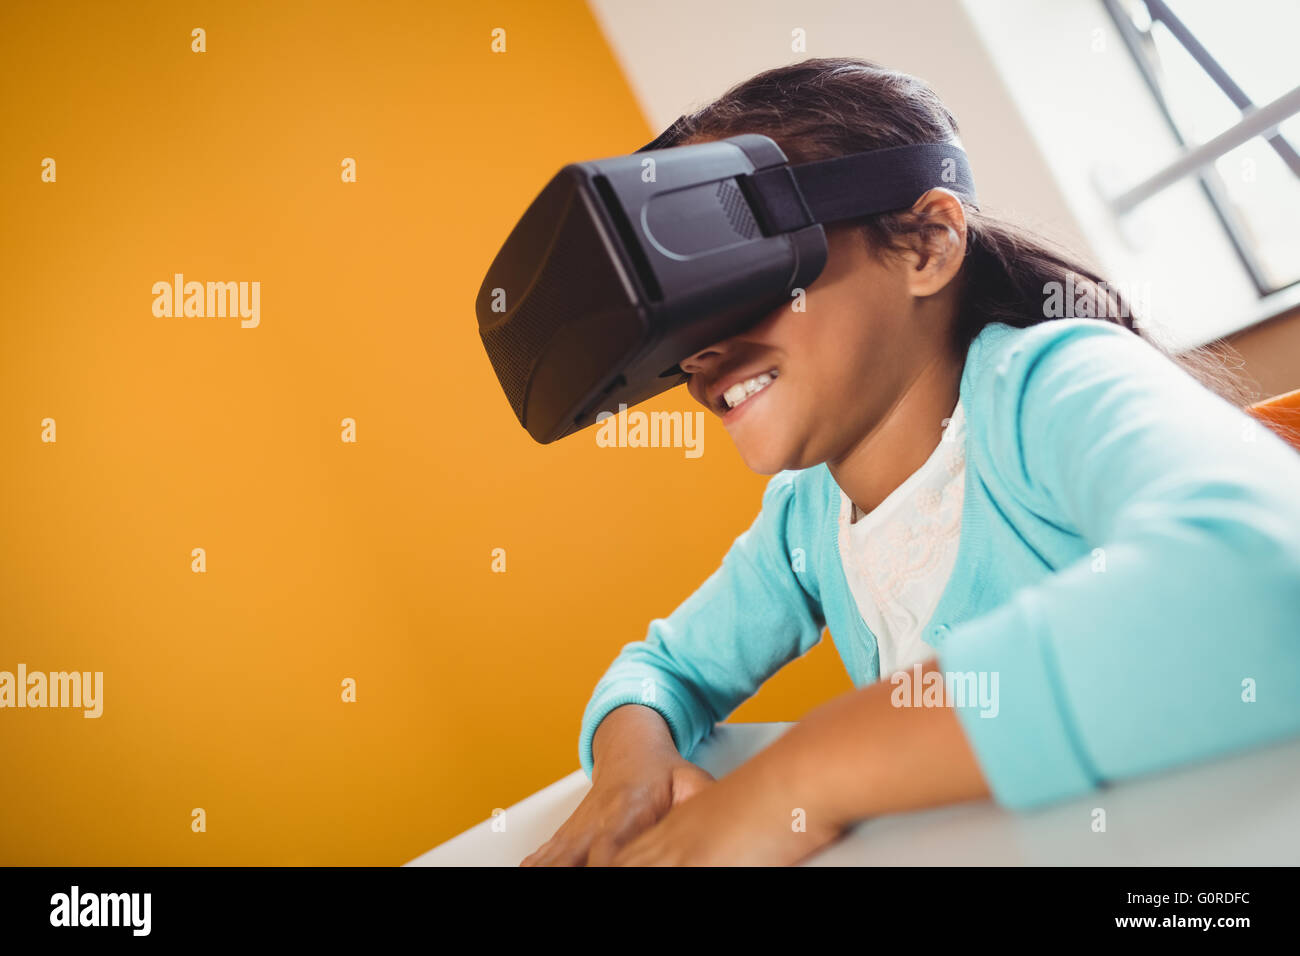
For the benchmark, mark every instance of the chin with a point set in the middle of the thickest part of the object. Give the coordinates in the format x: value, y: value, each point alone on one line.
x: 764, y: 461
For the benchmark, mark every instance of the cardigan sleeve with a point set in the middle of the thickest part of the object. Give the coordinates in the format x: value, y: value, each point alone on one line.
x: 748, y: 619
x: 1176, y: 637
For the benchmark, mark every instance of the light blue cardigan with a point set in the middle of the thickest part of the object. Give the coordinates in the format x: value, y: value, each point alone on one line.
x: 1129, y: 566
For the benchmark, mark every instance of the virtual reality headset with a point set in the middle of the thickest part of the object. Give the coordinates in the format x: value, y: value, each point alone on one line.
x: 622, y: 268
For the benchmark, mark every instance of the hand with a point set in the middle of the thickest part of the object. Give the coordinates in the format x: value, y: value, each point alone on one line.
x: 735, y: 822
x: 617, y: 809
x: 853, y: 758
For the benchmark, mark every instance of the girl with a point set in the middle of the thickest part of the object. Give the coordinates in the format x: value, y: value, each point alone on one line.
x: 1069, y: 554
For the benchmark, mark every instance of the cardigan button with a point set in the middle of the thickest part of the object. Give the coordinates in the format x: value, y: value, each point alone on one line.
x: 939, y: 632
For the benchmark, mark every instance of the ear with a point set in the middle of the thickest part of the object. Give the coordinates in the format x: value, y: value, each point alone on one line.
x: 940, y: 242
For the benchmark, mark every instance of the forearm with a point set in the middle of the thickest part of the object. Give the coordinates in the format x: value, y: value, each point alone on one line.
x: 630, y: 733
x: 859, y: 756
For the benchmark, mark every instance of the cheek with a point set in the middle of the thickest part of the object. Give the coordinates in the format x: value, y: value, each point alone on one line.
x: 850, y: 363
x: 846, y: 344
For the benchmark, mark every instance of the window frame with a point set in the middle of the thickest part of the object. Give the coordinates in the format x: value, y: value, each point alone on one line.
x: 1208, y: 177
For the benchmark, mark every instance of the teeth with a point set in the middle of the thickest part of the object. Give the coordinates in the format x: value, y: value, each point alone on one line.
x: 750, y: 386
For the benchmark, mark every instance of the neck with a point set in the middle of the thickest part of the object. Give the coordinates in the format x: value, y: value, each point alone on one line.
x: 904, y: 438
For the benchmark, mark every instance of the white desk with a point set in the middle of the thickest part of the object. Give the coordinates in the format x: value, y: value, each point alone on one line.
x: 1243, y: 810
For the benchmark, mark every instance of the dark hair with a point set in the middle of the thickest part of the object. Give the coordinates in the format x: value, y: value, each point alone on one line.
x: 826, y: 107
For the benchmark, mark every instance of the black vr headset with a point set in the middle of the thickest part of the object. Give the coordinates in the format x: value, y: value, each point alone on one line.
x: 621, y: 268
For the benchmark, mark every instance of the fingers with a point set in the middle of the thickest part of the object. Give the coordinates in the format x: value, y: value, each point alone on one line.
x: 563, y: 849
x: 603, y: 850
x: 636, y: 852
x: 535, y: 858
x: 608, y: 818
x: 598, y: 847
x: 556, y: 853
x: 610, y: 844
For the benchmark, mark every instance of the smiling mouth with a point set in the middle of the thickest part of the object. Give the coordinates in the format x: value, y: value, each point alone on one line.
x: 741, y: 392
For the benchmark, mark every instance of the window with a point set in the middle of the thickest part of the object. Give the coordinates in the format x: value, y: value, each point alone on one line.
x: 1210, y: 66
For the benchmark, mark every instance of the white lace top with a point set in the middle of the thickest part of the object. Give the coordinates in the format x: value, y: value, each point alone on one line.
x: 898, y: 557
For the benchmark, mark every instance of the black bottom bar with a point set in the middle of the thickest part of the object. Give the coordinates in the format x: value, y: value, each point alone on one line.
x: 995, y: 904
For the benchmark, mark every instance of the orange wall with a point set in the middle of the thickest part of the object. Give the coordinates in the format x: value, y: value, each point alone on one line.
x: 325, y: 560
